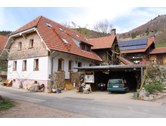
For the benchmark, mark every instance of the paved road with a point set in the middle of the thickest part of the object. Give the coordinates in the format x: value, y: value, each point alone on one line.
x: 89, y: 107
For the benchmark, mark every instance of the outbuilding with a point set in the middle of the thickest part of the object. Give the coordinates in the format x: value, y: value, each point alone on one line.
x: 97, y: 74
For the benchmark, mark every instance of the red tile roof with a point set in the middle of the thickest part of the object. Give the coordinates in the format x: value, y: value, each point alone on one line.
x: 158, y: 50
x: 149, y: 42
x: 103, y: 42
x: 52, y: 37
x: 3, y: 40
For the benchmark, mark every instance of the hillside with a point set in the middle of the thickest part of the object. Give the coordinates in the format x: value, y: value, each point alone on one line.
x: 153, y: 25
x: 5, y: 32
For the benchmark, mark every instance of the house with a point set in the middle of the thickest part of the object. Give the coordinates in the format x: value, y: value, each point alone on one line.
x: 42, y: 47
x: 158, y: 54
x: 137, y: 50
x: 3, y: 58
x: 107, y: 48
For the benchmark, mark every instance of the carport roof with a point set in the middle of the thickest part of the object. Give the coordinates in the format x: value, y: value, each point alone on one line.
x: 111, y: 67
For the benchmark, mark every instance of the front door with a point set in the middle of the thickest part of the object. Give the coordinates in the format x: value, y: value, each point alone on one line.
x: 160, y: 59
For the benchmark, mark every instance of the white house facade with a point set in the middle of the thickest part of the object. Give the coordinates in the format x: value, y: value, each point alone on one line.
x: 32, y: 47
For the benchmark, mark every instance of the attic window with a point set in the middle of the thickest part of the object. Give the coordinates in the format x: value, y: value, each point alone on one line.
x: 77, y: 35
x: 64, y: 40
x: 48, y: 24
x: 60, y: 29
x: 86, y: 38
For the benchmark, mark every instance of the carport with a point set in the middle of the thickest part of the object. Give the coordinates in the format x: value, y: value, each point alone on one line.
x: 104, y: 73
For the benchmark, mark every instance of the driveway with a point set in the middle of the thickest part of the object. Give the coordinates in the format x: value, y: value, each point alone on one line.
x: 96, y: 104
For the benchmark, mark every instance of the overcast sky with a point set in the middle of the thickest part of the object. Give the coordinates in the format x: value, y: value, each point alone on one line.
x: 123, y: 18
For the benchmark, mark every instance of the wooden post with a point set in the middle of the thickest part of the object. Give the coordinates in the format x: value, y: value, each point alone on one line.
x: 141, y: 74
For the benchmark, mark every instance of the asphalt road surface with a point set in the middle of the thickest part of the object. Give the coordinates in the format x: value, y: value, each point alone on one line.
x: 90, y: 107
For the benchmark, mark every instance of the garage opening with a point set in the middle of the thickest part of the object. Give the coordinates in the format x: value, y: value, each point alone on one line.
x: 101, y: 77
x: 101, y: 74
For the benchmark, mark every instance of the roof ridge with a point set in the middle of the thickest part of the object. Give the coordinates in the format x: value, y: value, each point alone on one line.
x: 103, y: 37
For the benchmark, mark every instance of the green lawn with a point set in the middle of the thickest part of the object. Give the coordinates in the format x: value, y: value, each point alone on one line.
x: 5, y: 104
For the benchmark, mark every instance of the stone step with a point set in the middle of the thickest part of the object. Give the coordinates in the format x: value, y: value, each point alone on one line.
x: 164, y: 91
x: 164, y: 88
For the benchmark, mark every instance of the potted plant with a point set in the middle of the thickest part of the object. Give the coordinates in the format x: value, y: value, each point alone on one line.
x: 54, y: 89
x: 48, y: 89
x: 59, y: 90
x: 77, y: 89
x: 20, y: 86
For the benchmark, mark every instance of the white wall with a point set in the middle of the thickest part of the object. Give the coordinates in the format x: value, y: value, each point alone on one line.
x: 44, y: 67
x: 41, y: 74
x: 67, y: 57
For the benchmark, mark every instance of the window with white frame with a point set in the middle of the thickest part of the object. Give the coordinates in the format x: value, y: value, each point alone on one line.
x: 14, y: 65
x: 60, y: 64
x: 70, y: 65
x: 36, y: 64
x: 31, y: 43
x: 24, y: 65
x: 20, y: 46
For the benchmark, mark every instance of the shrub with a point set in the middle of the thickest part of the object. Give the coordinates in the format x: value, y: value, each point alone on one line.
x: 151, y: 87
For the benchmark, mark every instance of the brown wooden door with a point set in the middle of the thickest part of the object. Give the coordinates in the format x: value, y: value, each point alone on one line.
x: 160, y: 59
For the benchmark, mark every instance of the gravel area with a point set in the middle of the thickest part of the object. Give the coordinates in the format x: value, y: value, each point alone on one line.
x: 24, y: 109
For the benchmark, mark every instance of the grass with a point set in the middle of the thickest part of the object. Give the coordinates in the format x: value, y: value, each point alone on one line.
x: 5, y: 104
x: 161, y: 45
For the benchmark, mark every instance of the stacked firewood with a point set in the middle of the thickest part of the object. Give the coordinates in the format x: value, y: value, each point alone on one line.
x: 59, y: 79
x: 74, y: 76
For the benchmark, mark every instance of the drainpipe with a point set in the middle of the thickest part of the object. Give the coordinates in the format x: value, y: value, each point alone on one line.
x: 52, y: 58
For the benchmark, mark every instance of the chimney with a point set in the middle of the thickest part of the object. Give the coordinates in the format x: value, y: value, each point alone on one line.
x: 152, y: 37
x: 113, y: 31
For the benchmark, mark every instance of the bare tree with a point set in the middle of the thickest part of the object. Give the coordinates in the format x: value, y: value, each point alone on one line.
x: 104, y: 27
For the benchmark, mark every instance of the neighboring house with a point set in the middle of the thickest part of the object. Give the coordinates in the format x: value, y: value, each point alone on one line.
x: 42, y: 47
x: 3, y: 58
x: 137, y: 50
x: 107, y: 48
x: 158, y: 55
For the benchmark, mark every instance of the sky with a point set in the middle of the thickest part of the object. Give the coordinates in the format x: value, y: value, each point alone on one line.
x: 123, y: 18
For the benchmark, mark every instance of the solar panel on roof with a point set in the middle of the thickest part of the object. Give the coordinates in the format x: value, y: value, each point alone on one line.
x: 133, y: 47
x: 141, y: 47
x: 121, y: 43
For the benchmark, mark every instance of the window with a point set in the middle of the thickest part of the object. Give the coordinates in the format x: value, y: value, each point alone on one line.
x: 31, y: 43
x: 48, y: 24
x: 60, y: 64
x: 24, y: 65
x: 60, y: 29
x: 20, y: 46
x: 82, y: 46
x: 77, y: 35
x: 88, y: 48
x: 70, y: 65
x: 64, y: 40
x: 14, y: 65
x: 86, y: 38
x: 79, y: 64
x: 36, y: 64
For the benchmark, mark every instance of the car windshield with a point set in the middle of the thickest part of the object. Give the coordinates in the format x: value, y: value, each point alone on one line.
x: 115, y: 81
